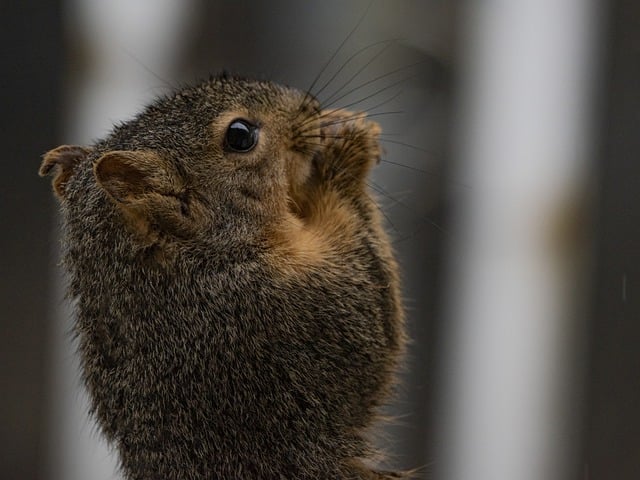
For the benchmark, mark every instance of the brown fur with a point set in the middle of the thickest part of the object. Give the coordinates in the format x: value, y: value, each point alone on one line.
x: 62, y: 161
x: 238, y: 313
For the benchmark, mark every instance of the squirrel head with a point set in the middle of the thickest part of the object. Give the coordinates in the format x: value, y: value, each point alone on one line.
x: 238, y: 308
x: 228, y: 157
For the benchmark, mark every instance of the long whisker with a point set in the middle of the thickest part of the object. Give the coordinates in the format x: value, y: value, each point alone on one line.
x: 369, y: 82
x: 382, y: 191
x: 379, y: 207
x: 308, y: 92
x: 378, y: 92
x: 427, y: 220
x: 353, y: 77
x: 314, y: 119
x: 432, y: 173
x: 330, y: 113
x: 351, y: 58
x: 408, y: 145
x: 355, y: 116
x: 360, y: 116
x: 339, y: 49
x: 167, y: 84
x: 409, y: 167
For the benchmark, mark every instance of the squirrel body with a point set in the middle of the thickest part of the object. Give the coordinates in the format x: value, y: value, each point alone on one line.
x: 238, y: 311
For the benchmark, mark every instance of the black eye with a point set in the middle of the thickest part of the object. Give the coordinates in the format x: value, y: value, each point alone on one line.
x: 241, y: 136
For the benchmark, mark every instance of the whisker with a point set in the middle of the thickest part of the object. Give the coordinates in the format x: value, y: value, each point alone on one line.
x: 308, y: 147
x: 379, y: 207
x: 308, y: 93
x: 353, y: 77
x: 314, y: 119
x: 359, y: 117
x: 381, y: 104
x: 422, y: 218
x: 351, y: 58
x: 339, y: 49
x: 322, y: 136
x: 408, y: 145
x: 330, y: 113
x: 167, y: 83
x: 356, y: 116
x: 317, y: 144
x: 369, y: 82
x: 432, y: 173
x: 425, y: 221
x: 409, y: 167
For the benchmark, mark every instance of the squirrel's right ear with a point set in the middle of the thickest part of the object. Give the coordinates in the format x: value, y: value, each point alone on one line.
x: 147, y: 189
x: 61, y: 162
x: 129, y: 177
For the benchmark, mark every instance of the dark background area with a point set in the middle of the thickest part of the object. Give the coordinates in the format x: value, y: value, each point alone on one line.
x: 612, y: 421
x: 32, y: 68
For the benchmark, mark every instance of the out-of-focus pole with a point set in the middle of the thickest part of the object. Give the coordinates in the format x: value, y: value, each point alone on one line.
x: 524, y: 143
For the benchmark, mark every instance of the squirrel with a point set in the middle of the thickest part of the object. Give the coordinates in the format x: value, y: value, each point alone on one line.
x: 237, y: 299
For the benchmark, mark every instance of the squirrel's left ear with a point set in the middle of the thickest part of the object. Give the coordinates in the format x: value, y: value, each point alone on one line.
x: 61, y: 162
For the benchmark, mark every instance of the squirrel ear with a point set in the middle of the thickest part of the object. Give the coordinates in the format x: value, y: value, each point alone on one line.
x: 127, y: 176
x: 61, y: 162
x: 147, y: 189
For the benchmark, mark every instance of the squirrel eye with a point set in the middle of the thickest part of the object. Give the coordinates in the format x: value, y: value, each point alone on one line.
x: 241, y: 136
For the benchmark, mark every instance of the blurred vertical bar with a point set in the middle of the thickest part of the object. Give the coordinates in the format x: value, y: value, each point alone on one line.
x: 612, y: 433
x: 31, y: 53
x: 517, y: 269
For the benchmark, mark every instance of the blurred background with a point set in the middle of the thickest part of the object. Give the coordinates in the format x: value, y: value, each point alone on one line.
x: 508, y: 188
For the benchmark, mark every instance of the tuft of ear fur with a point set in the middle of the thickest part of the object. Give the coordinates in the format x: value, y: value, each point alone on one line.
x: 61, y: 161
x: 148, y: 190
